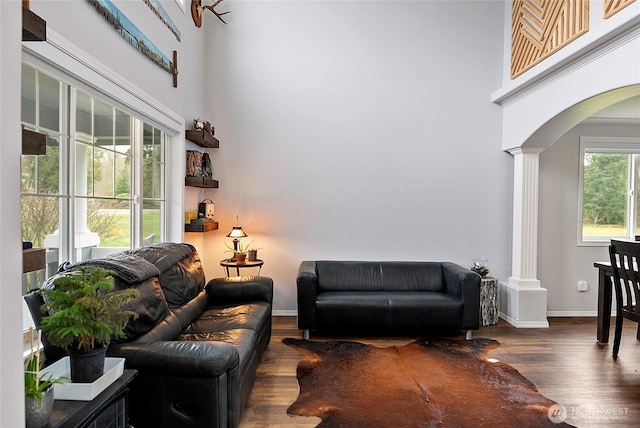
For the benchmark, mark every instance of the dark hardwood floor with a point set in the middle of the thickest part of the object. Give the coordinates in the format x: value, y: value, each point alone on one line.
x: 565, y: 362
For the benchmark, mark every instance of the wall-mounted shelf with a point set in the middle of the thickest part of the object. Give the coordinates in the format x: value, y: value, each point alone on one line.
x: 202, y: 138
x: 33, y: 259
x: 33, y: 143
x: 204, y: 182
x: 203, y: 227
x: 208, y: 141
x: 34, y: 28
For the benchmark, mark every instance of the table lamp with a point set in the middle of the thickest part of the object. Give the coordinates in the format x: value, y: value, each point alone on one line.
x: 236, y: 233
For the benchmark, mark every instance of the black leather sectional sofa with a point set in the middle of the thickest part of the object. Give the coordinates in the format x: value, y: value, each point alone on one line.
x: 387, y: 297
x: 196, y: 347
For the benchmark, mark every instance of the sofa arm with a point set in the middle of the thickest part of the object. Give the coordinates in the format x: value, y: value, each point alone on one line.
x: 240, y: 289
x: 465, y: 285
x: 187, y: 358
x: 307, y: 285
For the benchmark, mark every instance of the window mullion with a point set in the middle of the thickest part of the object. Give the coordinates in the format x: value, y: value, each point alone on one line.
x: 137, y: 138
x: 67, y: 175
x: 632, y: 200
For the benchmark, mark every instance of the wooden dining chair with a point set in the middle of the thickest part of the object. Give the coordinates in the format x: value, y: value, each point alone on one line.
x: 625, y: 262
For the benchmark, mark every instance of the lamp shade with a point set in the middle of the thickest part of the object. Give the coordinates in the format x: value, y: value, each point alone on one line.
x: 237, y: 232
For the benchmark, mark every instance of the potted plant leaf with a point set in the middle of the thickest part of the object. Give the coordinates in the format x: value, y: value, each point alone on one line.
x: 38, y: 388
x: 85, y: 314
x: 239, y: 253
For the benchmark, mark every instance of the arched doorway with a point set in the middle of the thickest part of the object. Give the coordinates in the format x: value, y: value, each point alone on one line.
x: 534, y: 117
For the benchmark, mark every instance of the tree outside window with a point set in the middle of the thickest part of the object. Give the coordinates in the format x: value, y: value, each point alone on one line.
x: 609, y: 180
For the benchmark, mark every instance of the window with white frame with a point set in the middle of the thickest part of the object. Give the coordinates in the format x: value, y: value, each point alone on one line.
x: 609, y: 189
x: 100, y: 188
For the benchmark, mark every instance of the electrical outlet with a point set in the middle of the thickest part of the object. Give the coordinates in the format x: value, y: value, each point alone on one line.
x: 583, y: 285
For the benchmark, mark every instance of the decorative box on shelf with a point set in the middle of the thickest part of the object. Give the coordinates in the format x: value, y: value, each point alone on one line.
x: 113, y: 369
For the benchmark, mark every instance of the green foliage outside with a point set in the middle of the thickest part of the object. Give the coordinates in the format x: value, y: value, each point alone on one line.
x: 603, y: 230
x: 604, y: 199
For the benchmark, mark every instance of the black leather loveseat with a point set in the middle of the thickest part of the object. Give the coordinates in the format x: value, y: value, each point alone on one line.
x: 387, y: 297
x: 196, y: 347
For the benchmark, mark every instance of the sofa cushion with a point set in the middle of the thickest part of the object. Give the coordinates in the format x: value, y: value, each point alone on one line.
x: 220, y: 318
x: 243, y: 339
x: 412, y: 276
x: 181, y: 274
x: 387, y: 310
x: 379, y: 276
x: 419, y: 310
x: 151, y: 306
x: 190, y: 311
x: 347, y: 275
x: 339, y: 309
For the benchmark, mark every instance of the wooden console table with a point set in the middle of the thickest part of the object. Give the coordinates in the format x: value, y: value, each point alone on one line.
x: 108, y: 409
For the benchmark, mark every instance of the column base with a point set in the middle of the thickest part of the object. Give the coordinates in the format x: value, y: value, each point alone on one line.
x: 523, y: 307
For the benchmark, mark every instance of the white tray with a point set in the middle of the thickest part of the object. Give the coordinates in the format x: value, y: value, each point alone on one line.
x: 113, y: 369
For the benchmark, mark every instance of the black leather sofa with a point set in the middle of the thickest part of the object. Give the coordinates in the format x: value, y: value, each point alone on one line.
x: 387, y: 297
x: 196, y: 347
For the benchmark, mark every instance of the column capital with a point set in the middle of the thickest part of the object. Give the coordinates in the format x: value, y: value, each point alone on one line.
x: 526, y: 150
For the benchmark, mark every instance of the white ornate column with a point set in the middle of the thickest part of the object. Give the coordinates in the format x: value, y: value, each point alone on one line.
x: 523, y: 302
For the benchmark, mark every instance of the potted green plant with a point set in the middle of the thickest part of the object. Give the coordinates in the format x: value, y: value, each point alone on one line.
x: 239, y: 253
x: 38, y: 389
x: 85, y: 314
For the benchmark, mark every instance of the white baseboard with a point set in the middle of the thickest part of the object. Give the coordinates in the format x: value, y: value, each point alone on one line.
x: 524, y: 324
x: 560, y: 314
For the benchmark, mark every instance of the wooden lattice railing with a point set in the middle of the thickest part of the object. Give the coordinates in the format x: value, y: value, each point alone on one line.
x: 541, y: 27
x: 611, y: 7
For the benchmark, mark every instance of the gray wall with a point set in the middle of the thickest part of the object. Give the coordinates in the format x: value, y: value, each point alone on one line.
x: 362, y: 130
x: 561, y: 262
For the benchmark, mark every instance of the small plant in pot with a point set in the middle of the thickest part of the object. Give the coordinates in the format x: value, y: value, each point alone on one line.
x: 38, y: 389
x: 239, y: 253
x: 85, y: 314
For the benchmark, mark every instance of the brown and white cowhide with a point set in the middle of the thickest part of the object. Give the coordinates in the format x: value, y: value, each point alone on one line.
x: 427, y: 383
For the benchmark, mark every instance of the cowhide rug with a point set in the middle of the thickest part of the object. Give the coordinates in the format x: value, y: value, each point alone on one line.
x: 427, y: 383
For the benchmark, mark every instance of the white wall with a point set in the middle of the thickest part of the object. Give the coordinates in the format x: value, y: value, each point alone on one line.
x: 11, y: 379
x: 561, y: 262
x: 361, y: 130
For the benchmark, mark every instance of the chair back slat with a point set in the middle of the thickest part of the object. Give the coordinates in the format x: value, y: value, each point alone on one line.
x: 625, y: 262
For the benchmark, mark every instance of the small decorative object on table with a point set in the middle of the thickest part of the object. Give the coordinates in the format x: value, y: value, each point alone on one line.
x: 481, y: 267
x: 253, y: 254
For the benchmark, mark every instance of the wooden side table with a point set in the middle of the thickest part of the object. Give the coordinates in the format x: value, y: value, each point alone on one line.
x: 488, y: 301
x: 229, y: 263
x: 108, y: 409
